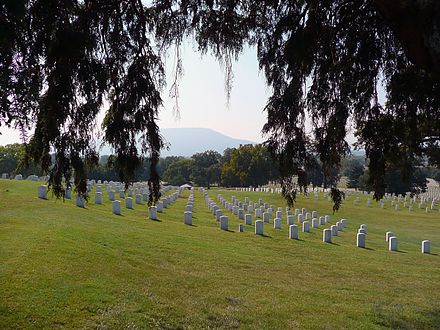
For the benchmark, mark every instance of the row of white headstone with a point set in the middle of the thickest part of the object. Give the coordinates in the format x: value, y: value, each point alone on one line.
x: 116, y: 204
x: 238, y: 208
x: 390, y: 238
x: 164, y: 203
x: 406, y: 205
x: 334, y: 230
x: 432, y: 196
x: 293, y: 229
x: 187, y: 215
x: 217, y: 212
x: 80, y: 200
x: 31, y: 177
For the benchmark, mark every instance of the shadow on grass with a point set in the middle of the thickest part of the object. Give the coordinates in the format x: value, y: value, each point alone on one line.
x: 191, y: 225
x: 157, y: 220
x: 264, y: 235
x: 400, y: 251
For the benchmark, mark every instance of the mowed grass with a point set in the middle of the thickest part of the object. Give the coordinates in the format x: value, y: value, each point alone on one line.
x: 67, y: 267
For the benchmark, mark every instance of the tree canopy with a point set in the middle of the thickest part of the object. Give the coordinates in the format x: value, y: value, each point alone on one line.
x: 248, y: 165
x: 62, y: 61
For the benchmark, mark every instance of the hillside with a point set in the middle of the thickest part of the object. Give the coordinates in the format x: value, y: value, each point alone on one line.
x: 67, y: 267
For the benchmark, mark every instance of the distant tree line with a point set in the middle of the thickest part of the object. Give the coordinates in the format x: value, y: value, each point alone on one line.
x: 11, y: 161
x: 358, y: 176
x: 247, y: 165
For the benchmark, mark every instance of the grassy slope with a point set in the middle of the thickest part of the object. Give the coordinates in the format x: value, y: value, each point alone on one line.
x: 66, y: 267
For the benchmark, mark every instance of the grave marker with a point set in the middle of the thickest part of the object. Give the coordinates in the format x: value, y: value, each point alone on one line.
x: 293, y: 232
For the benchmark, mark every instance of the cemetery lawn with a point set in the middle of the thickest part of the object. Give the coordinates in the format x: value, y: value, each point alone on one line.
x: 67, y: 267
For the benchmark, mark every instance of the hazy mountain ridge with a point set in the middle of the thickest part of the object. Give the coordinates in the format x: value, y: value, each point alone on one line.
x: 188, y: 141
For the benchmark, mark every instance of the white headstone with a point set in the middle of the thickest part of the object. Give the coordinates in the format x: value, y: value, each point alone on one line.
x: 426, y: 246
x: 224, y: 222
x: 360, y: 242
x: 259, y: 227
x: 187, y: 217
x: 129, y: 203
x: 392, y: 243
x: 42, y: 192
x: 248, y: 219
x: 138, y: 199
x: 315, y: 223
x: 153, y: 212
x: 388, y: 234
x: 300, y: 218
x: 98, y: 197
x: 327, y: 235
x: 293, y: 232
x: 339, y: 225
x: 334, y: 229
x: 80, y: 201
x: 290, y: 220
x: 266, y: 217
x: 277, y: 223
x: 306, y: 227
x: 241, y: 227
x: 116, y: 207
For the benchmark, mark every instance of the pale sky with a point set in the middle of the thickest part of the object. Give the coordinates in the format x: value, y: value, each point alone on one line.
x: 203, y: 101
x: 202, y: 97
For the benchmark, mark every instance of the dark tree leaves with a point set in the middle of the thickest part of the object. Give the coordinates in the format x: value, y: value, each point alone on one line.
x: 61, y: 61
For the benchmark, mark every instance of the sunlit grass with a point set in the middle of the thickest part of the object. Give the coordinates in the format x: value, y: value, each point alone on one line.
x: 67, y: 267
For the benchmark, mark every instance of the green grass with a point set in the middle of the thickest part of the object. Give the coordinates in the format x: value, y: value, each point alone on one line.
x: 67, y: 267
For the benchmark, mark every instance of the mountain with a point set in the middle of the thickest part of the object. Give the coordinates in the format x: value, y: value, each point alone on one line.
x: 188, y: 141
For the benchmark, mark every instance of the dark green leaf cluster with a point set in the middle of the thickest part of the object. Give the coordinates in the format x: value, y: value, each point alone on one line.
x: 61, y: 61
